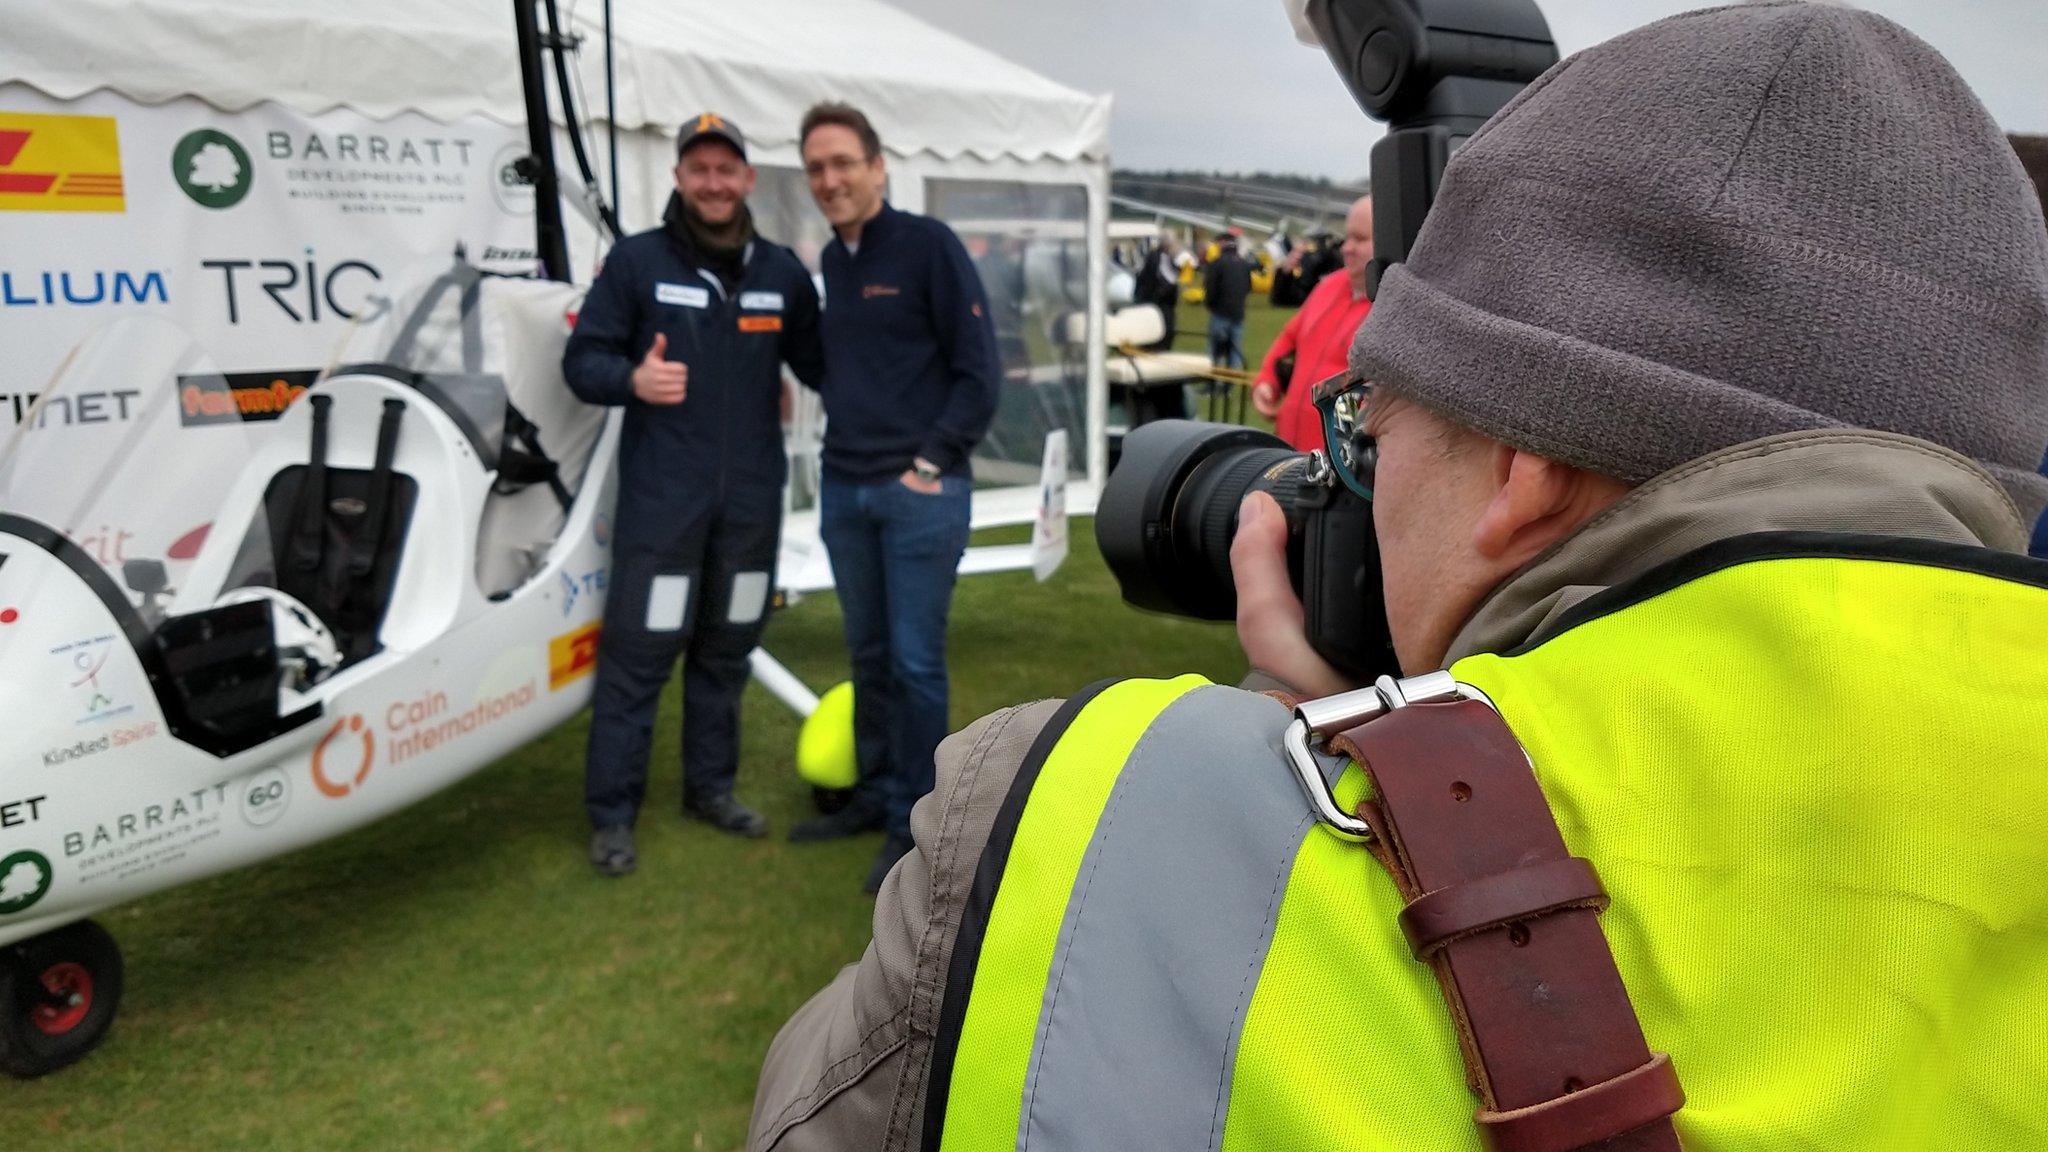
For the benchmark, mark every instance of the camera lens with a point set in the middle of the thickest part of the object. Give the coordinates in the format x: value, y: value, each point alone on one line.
x: 1168, y: 512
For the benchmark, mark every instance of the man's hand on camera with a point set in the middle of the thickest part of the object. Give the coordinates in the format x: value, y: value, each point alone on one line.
x: 1272, y: 628
x: 1266, y: 398
x: 658, y: 380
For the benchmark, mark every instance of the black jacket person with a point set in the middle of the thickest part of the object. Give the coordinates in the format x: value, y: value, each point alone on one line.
x: 687, y: 328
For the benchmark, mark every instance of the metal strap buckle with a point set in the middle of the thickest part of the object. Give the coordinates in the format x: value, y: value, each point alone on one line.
x: 1317, y: 720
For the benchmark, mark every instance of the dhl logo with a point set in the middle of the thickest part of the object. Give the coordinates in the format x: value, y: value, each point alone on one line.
x: 572, y: 656
x: 60, y: 164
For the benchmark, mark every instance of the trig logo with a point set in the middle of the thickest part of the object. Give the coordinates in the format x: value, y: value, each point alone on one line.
x: 60, y: 164
x: 212, y: 168
x: 577, y: 588
x: 571, y: 656
x: 342, y: 759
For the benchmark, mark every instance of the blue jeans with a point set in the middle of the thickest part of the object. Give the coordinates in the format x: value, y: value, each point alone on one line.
x: 1226, y: 342
x: 895, y: 554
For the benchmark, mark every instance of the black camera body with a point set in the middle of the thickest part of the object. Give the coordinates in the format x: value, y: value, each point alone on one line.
x: 1166, y: 520
x: 1434, y: 70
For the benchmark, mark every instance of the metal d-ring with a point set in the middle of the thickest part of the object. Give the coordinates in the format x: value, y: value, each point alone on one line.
x: 1315, y: 720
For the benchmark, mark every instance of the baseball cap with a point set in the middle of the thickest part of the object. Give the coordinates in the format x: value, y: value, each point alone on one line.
x: 710, y: 125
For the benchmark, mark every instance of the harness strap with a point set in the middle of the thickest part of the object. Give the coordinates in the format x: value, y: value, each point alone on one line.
x: 1508, y: 921
x: 309, y: 515
x: 363, y: 549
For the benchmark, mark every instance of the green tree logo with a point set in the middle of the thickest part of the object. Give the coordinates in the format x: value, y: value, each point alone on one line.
x: 212, y: 168
x: 24, y: 877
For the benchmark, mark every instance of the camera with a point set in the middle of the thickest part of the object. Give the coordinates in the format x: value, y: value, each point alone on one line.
x: 1434, y: 70
x: 1169, y: 511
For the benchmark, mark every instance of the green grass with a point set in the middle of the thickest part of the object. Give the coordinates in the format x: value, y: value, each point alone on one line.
x: 456, y: 976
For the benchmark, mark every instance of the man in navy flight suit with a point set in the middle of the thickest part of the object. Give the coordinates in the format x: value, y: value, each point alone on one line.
x: 687, y: 328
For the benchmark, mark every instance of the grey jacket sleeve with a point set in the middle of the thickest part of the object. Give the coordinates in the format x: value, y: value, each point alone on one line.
x: 849, y: 1069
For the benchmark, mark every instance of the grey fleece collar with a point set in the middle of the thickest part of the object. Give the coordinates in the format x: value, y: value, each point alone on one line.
x: 1819, y: 481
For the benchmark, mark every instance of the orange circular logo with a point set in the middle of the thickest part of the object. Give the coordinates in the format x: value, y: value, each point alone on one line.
x: 324, y: 782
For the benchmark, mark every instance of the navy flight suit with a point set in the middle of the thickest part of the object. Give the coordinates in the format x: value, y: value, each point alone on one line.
x: 699, y: 519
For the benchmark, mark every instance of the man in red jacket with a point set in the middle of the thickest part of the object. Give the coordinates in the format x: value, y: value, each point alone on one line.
x: 1319, y: 336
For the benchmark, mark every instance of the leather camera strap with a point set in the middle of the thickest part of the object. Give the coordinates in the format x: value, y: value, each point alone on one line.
x: 1508, y: 921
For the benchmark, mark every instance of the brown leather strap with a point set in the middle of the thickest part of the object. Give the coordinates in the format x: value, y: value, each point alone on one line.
x: 1551, y: 1043
x: 1435, y: 919
x: 1629, y: 1101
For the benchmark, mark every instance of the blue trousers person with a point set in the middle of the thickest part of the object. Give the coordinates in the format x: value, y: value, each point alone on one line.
x: 895, y: 554
x: 1226, y: 342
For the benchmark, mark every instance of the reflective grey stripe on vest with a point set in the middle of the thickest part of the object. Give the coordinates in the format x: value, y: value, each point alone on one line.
x: 1166, y: 933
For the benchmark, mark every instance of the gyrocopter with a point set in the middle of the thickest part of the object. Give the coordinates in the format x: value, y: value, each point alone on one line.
x: 217, y: 650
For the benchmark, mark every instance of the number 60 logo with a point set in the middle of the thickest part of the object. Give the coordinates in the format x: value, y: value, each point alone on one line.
x: 265, y: 797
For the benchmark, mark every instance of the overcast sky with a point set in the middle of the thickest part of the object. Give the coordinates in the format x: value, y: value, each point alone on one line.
x: 1223, y: 84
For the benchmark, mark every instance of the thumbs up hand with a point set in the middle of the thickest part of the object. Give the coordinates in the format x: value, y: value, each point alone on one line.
x: 658, y: 380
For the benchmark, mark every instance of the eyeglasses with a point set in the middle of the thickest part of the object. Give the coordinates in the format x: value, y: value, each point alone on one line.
x: 1352, y: 454
x: 837, y: 165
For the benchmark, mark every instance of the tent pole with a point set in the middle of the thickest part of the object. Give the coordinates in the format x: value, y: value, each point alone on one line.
x: 539, y: 166
x: 1097, y: 455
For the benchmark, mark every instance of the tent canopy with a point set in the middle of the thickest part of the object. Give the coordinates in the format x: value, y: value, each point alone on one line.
x: 766, y: 61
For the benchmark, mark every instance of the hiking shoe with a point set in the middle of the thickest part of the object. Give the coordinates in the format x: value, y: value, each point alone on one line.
x: 611, y: 850
x: 857, y: 817
x: 893, y: 849
x: 727, y: 814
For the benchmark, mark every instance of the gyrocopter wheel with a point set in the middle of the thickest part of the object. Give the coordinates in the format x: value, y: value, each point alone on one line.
x: 58, y: 994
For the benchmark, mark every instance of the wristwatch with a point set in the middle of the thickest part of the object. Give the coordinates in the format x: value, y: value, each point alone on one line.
x: 925, y: 469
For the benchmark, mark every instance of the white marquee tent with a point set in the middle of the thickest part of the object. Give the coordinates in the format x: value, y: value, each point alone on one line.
x: 969, y: 135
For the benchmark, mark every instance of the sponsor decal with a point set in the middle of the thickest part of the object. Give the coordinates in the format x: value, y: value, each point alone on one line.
x: 16, y: 813
x: 349, y: 752
x: 83, y: 661
x: 110, y: 407
x: 296, y: 288
x: 106, y: 544
x: 760, y: 323
x: 764, y: 301
x: 147, y: 837
x: 87, y: 748
x: 372, y: 173
x: 575, y: 588
x: 510, y: 186
x: 24, y: 879
x: 59, y: 288
x: 240, y: 397
x: 682, y: 295
x: 265, y: 797
x: 60, y: 164
x: 572, y: 656
x: 343, y: 758
x: 212, y: 168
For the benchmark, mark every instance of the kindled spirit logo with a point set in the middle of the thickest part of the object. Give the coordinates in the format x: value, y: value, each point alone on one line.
x: 212, y: 168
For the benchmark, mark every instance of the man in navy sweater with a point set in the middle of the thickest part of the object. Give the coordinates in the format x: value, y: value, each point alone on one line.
x: 912, y: 375
x: 687, y: 328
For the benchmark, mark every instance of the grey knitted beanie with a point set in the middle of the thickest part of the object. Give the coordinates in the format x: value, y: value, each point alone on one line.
x: 1723, y: 226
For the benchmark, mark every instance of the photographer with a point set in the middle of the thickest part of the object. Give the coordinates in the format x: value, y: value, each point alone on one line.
x: 1699, y: 445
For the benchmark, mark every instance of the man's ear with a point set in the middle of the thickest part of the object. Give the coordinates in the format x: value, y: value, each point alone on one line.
x: 1535, y: 503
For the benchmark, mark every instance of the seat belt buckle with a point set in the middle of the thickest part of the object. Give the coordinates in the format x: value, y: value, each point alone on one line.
x: 1315, y: 721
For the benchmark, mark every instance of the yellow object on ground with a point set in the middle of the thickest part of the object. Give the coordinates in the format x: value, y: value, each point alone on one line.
x: 824, y: 745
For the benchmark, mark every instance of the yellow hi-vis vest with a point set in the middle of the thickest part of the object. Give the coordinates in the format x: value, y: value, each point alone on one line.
x: 1812, y: 771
